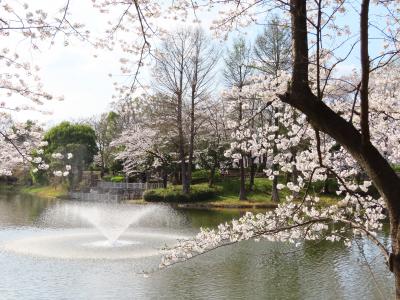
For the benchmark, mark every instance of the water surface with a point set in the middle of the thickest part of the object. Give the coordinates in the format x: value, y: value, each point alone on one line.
x: 250, y: 270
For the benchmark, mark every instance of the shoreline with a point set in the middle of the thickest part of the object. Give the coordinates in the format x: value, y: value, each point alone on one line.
x: 227, y: 205
x: 46, y: 192
x: 210, y: 205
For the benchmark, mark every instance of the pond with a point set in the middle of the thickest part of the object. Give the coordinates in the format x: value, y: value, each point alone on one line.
x: 45, y: 258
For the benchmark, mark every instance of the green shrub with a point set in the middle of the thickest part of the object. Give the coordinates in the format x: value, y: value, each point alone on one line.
x: 174, y: 194
x: 107, y: 177
x: 200, y: 174
x: 117, y: 179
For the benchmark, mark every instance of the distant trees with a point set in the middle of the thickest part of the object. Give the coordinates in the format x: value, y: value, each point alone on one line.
x: 213, y: 140
x: 187, y: 123
x: 78, y: 139
x: 273, y: 47
x: 106, y: 129
x: 183, y: 72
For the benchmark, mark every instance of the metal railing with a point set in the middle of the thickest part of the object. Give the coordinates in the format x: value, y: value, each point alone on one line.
x: 120, y: 191
x: 106, y: 197
x: 129, y: 185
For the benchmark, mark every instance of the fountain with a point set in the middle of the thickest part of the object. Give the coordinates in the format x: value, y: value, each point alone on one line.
x: 110, y: 220
x: 79, y: 230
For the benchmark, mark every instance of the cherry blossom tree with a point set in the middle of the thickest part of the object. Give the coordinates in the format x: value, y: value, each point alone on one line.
x: 140, y: 146
x: 326, y: 126
x: 21, y: 88
x: 237, y: 72
x: 337, y: 144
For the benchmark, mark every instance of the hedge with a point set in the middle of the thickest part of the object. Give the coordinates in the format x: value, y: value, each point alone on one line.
x: 175, y: 194
x: 111, y: 178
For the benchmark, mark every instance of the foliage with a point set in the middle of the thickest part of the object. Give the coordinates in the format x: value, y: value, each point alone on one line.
x: 202, y: 175
x: 117, y: 179
x: 106, y: 128
x: 200, y: 192
x: 272, y: 48
x: 79, y: 139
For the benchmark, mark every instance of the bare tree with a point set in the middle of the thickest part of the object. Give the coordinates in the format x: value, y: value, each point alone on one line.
x: 169, y: 72
x: 272, y: 48
x: 184, y: 67
x: 200, y: 71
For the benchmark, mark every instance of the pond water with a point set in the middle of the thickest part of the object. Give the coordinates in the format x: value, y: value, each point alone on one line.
x: 43, y: 257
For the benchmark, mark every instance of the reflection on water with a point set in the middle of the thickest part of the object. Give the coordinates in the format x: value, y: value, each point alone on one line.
x: 250, y: 270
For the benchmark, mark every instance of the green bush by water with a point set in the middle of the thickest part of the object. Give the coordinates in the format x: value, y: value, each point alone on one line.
x: 118, y: 178
x: 199, y: 192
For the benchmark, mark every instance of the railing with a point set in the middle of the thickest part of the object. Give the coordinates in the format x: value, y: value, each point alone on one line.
x: 120, y: 191
x: 106, y: 197
x: 129, y: 185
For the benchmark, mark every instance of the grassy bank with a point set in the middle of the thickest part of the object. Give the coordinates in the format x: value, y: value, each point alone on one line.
x: 225, y: 194
x: 49, y: 192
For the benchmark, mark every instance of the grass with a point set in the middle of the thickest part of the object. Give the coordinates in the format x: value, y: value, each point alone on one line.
x: 261, y: 192
x: 49, y: 192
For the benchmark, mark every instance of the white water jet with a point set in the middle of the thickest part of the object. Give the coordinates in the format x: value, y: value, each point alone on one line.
x: 110, y: 220
x: 80, y: 230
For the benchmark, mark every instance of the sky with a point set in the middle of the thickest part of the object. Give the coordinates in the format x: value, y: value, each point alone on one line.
x: 83, y: 79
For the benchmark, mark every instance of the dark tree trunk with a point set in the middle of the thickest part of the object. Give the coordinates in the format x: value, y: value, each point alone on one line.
x: 176, y: 178
x: 294, y: 180
x: 252, y: 173
x: 164, y: 178
x: 102, y: 169
x: 324, y: 119
x: 275, y: 192
x: 326, y: 184
x: 242, y: 192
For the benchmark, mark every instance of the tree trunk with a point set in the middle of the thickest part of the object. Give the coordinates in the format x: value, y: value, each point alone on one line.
x: 212, y: 177
x: 175, y: 178
x: 294, y: 180
x: 191, y: 141
x: 326, y: 184
x: 165, y: 178
x: 242, y: 192
x: 275, y: 192
x: 252, y: 174
x: 394, y: 258
x: 324, y: 119
x: 185, y: 183
x: 275, y: 167
x: 102, y: 168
